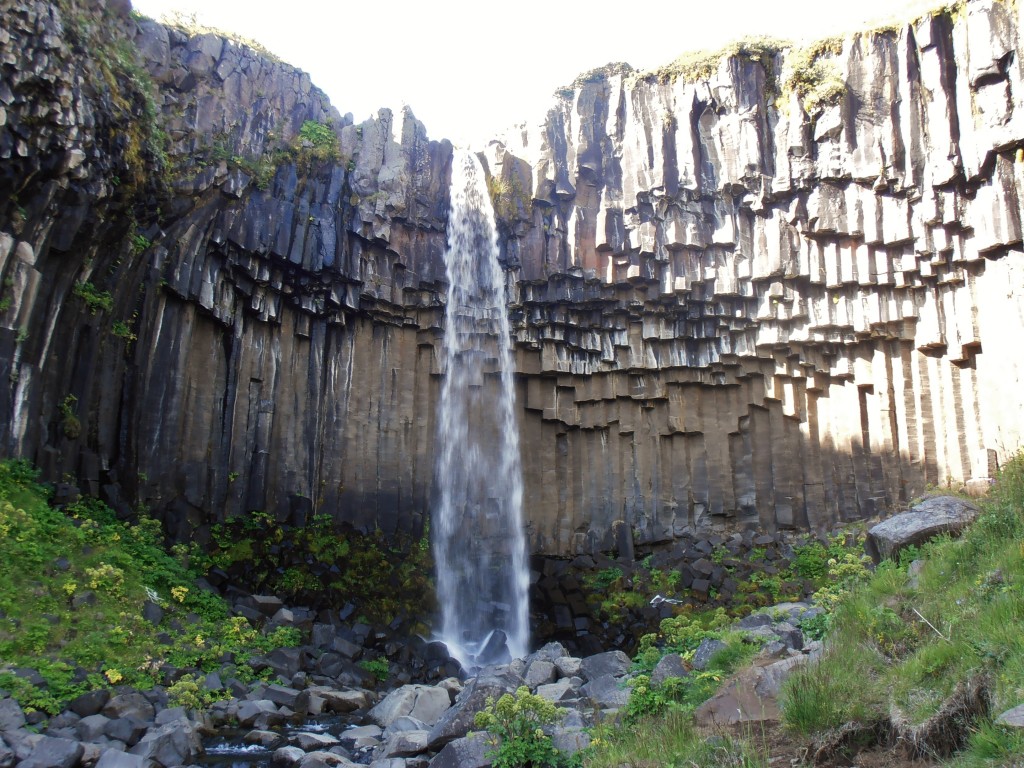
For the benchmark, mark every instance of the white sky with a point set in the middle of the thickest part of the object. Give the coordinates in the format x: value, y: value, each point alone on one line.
x: 470, y: 70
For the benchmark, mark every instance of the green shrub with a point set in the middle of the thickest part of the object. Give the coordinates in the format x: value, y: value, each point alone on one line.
x: 515, y: 724
x: 95, y: 299
x: 318, y: 140
x: 378, y: 667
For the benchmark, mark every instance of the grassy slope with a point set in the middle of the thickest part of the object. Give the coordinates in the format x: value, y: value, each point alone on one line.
x: 900, y: 647
x: 72, y: 597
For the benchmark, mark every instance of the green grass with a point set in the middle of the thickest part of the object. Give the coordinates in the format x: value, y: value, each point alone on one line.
x: 672, y: 740
x: 71, y: 600
x: 900, y: 649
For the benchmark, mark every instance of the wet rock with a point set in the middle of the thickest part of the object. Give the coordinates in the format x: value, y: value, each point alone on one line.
x: 265, y: 739
x: 311, y: 742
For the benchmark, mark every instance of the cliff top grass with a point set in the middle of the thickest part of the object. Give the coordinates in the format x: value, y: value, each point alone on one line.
x: 189, y: 24
x: 75, y: 584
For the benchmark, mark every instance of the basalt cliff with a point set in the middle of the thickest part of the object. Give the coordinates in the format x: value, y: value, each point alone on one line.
x: 738, y: 298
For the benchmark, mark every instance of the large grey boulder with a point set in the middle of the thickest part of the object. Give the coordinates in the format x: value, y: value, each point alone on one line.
x: 539, y: 672
x: 130, y: 705
x: 11, y: 715
x: 115, y: 758
x: 939, y: 514
x: 423, y: 702
x: 458, y: 720
x: 607, y: 692
x: 671, y: 665
x: 53, y: 753
x: 343, y: 701
x: 608, y: 663
x: 405, y: 744
x: 176, y: 743
x: 467, y: 752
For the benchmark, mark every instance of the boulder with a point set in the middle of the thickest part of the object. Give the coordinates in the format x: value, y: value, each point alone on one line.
x: 176, y: 743
x: 287, y: 756
x: 92, y: 727
x: 560, y: 691
x: 671, y: 665
x: 263, y: 711
x: 125, y: 729
x: 115, y: 758
x: 130, y: 705
x: 539, y: 672
x: 568, y: 666
x: 90, y: 703
x: 265, y: 739
x: 11, y: 715
x: 322, y: 759
x: 311, y: 742
x: 467, y: 752
x: 1012, y: 718
x: 613, y: 663
x: 53, y: 753
x: 939, y: 514
x: 458, y: 720
x: 607, y: 692
x: 405, y: 744
x: 425, y: 703
x: 750, y: 696
x: 707, y: 648
x: 343, y: 701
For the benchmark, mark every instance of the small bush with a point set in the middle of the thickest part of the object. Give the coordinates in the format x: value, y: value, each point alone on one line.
x: 95, y: 299
x: 516, y: 727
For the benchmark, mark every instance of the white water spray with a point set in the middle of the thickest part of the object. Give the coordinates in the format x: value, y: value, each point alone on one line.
x: 479, y: 546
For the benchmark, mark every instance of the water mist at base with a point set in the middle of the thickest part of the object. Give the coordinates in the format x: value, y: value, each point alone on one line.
x: 479, y: 546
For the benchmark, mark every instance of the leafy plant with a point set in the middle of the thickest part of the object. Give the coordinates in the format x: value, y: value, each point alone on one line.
x: 95, y: 299
x: 69, y: 423
x: 515, y: 724
x: 378, y: 667
x: 318, y: 140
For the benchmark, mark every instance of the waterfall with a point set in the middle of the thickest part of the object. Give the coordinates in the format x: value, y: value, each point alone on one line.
x: 479, y: 545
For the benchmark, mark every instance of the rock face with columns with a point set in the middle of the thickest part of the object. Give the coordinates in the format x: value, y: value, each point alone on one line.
x: 733, y: 305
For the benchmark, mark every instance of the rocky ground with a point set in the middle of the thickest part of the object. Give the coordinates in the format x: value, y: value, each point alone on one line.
x: 414, y: 724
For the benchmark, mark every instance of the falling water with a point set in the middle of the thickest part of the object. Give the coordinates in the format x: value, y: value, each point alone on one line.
x: 479, y: 544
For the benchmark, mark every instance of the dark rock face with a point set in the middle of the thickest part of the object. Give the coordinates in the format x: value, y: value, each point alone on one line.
x: 729, y: 309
